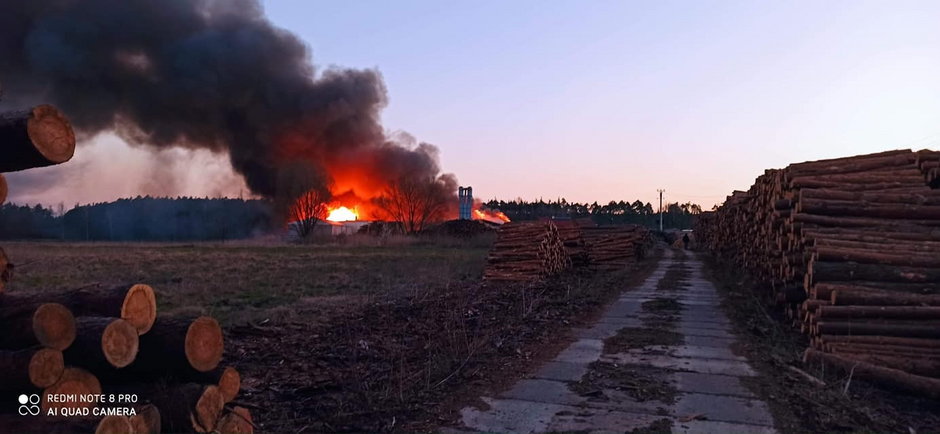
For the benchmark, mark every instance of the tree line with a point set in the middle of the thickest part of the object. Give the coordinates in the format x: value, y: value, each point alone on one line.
x: 140, y: 219
x: 675, y: 215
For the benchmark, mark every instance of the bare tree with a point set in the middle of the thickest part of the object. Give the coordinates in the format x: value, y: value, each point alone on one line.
x: 416, y: 202
x: 303, y: 192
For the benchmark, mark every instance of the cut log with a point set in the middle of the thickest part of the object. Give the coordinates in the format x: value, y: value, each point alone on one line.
x: 6, y: 270
x: 135, y: 304
x: 821, y: 271
x: 835, y: 254
x: 74, y: 382
x: 114, y: 425
x: 924, y: 329
x: 917, y: 196
x: 915, y: 365
x: 902, y: 312
x: 237, y: 421
x: 103, y: 343
x: 33, y: 368
x: 38, y: 137
x: 48, y: 324
x: 147, y: 420
x: 179, y: 345
x: 188, y: 407
x: 886, y: 376
x: 872, y: 297
x: 3, y: 189
x: 882, y: 340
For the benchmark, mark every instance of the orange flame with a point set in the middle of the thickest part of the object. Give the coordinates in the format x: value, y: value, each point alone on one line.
x: 342, y: 214
x: 490, y: 216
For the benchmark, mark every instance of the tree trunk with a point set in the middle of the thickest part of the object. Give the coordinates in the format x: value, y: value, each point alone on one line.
x: 24, y: 370
x: 889, y: 377
x: 883, y: 340
x: 74, y: 382
x: 187, y: 407
x: 3, y: 189
x: 917, y: 196
x: 925, y: 329
x: 180, y: 345
x: 872, y: 297
x: 135, y: 304
x: 901, y: 312
x: 822, y: 271
x: 114, y: 425
x: 38, y: 137
x: 147, y: 420
x: 6, y: 271
x: 237, y: 421
x: 48, y: 324
x: 103, y: 343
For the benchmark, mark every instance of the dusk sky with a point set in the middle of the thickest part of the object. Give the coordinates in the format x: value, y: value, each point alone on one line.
x: 605, y: 100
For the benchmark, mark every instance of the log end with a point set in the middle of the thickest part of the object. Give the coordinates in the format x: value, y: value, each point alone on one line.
x: 46, y: 367
x: 75, y: 382
x: 114, y: 425
x: 230, y: 382
x: 140, y: 307
x: 54, y: 326
x: 237, y: 421
x: 204, y: 344
x: 51, y: 133
x: 3, y: 189
x: 119, y: 343
x: 208, y: 409
x: 147, y: 420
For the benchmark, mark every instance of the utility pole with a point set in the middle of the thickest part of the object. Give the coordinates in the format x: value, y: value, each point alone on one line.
x: 661, y: 191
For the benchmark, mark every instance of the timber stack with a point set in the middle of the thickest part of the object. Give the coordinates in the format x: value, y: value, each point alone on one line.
x: 111, y: 342
x: 526, y: 251
x: 532, y: 251
x: 848, y: 247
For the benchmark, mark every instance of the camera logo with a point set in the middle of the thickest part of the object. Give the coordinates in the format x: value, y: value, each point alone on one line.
x: 29, y: 405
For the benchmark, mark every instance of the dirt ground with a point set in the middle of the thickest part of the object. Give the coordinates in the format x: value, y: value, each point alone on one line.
x: 346, y: 337
x: 798, y: 406
x: 240, y: 282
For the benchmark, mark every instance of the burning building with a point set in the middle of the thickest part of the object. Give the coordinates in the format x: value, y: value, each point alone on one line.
x: 218, y: 75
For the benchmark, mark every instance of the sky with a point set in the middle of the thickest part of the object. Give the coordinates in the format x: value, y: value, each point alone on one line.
x: 609, y: 100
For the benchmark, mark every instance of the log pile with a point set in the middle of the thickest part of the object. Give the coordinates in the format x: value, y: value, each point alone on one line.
x: 532, y: 251
x: 848, y: 247
x: 526, y: 251
x: 111, y: 342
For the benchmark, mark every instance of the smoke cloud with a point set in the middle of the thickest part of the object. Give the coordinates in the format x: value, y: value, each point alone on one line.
x: 204, y: 74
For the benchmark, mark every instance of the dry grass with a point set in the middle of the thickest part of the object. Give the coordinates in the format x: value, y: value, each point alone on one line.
x: 237, y: 282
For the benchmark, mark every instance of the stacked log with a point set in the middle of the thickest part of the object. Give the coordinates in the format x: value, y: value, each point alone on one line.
x: 615, y: 247
x: 111, y: 342
x: 532, y: 251
x: 847, y: 247
x: 526, y: 251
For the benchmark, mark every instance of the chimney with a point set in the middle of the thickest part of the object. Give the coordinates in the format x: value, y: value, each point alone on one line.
x: 465, y: 196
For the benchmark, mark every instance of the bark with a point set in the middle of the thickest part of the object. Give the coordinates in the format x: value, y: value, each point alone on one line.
x: 822, y: 271
x: 75, y: 382
x: 186, y: 407
x: 147, y: 420
x: 237, y: 421
x: 114, y: 425
x: 3, y: 189
x: 854, y: 208
x: 25, y: 370
x: 900, y: 312
x: 41, y: 136
x: 873, y: 297
x: 883, y: 340
x: 26, y: 325
x: 889, y: 377
x: 180, y: 345
x: 103, y: 343
x: 922, y: 329
x: 135, y: 304
x: 917, y: 196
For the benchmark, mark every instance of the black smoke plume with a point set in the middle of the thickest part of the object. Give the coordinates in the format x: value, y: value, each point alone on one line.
x: 202, y: 74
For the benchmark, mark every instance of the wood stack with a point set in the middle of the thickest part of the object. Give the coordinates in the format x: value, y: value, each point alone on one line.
x: 531, y: 251
x: 615, y: 247
x: 526, y: 251
x: 111, y: 341
x: 848, y: 248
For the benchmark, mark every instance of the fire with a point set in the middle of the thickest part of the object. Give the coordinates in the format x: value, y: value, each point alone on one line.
x: 342, y: 214
x: 490, y: 216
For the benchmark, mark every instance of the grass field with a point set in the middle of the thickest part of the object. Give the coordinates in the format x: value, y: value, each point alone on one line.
x: 237, y: 282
